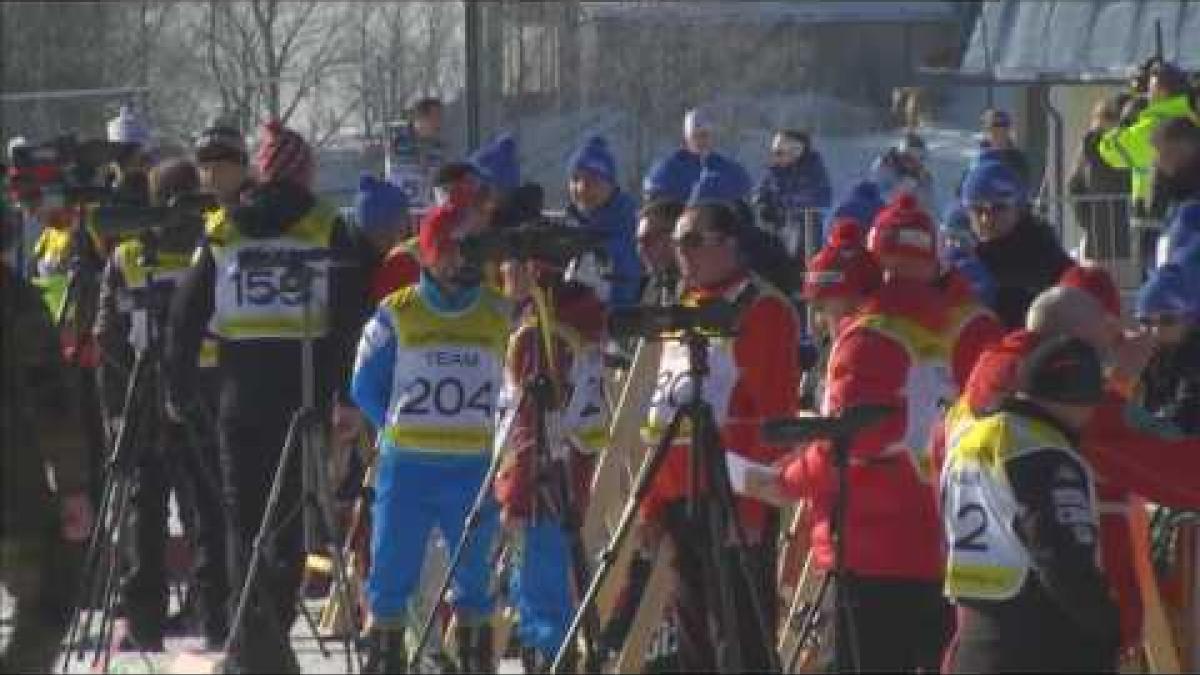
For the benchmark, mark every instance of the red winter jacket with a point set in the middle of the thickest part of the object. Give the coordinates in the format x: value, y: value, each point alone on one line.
x: 766, y: 387
x: 579, y: 311
x: 892, y: 523
x: 1129, y: 454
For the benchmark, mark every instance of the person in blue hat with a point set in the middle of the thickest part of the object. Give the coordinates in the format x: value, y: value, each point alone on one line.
x: 862, y: 203
x: 1020, y: 251
x: 1169, y: 306
x: 381, y: 213
x: 512, y: 202
x: 598, y: 203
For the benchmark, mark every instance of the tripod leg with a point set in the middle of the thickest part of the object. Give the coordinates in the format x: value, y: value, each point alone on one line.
x: 608, y: 556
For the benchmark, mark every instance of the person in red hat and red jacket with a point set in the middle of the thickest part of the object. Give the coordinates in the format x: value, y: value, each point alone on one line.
x: 895, y: 351
x: 258, y: 313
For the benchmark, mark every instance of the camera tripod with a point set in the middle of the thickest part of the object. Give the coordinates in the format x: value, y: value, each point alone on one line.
x: 718, y: 511
x: 144, y: 424
x: 841, y: 430
x: 304, y: 432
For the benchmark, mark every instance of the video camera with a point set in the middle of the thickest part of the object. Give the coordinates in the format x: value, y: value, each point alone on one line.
x: 65, y: 166
x: 715, y: 317
x: 122, y: 221
x: 540, y: 240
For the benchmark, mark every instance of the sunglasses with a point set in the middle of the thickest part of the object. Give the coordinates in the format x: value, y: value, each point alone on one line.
x: 693, y: 239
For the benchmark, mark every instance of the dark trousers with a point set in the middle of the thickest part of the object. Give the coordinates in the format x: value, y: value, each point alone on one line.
x: 891, y: 625
x: 41, y: 572
x: 144, y: 591
x: 1006, y: 640
x: 705, y: 638
x: 209, y: 593
x: 250, y: 453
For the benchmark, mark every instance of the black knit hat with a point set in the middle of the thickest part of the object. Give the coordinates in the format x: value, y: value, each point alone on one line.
x: 221, y: 141
x: 1063, y: 370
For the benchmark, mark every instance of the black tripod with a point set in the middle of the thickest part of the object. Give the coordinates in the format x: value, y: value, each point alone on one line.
x: 144, y: 424
x: 304, y: 432
x: 841, y: 430
x: 718, y: 510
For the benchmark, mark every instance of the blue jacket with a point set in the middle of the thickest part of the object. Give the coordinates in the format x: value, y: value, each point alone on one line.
x: 801, y: 184
x: 862, y: 203
x: 371, y: 384
x: 617, y: 221
x: 675, y: 175
x: 1182, y: 235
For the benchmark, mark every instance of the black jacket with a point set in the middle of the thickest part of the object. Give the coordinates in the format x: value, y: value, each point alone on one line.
x: 1171, y: 384
x: 260, y: 376
x: 1023, y: 264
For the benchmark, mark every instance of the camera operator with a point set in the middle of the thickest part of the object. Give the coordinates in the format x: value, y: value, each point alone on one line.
x: 43, y: 523
x: 223, y: 160
x: 262, y: 316
x: 753, y: 377
x: 531, y: 503
x: 127, y: 177
x: 655, y: 250
x: 1160, y: 93
x: 129, y: 302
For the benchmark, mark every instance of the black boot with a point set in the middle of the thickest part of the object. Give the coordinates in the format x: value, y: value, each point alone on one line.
x: 386, y: 652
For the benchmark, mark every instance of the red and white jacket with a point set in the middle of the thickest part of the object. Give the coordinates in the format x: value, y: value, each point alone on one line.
x: 753, y: 377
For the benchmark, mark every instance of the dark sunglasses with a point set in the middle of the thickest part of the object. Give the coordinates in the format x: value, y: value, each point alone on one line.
x: 693, y: 239
x: 1160, y: 321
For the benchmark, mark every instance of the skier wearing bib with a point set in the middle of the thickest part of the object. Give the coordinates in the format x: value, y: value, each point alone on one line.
x: 271, y: 271
x: 428, y: 374
x: 531, y: 483
x: 1020, y: 521
x: 752, y: 378
x: 897, y: 350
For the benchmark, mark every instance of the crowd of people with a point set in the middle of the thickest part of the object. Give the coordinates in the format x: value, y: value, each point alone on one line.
x: 982, y: 523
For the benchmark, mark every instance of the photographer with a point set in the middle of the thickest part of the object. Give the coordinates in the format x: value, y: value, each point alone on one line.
x: 262, y: 315
x: 427, y: 375
x: 543, y: 489
x: 1101, y: 191
x: 137, y: 284
x: 753, y: 377
x: 1160, y: 93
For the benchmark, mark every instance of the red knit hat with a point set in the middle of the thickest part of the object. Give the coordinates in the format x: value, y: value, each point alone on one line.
x: 439, y: 231
x: 843, y: 268
x: 1096, y: 282
x: 994, y: 376
x: 903, y: 228
x: 284, y: 155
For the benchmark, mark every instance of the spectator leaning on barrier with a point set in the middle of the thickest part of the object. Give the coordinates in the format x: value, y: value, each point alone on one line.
x: 1100, y: 191
x: 1018, y: 249
x: 794, y: 183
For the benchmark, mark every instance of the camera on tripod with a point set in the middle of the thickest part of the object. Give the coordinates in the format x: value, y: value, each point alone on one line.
x: 64, y: 168
x: 541, y: 239
x: 714, y: 317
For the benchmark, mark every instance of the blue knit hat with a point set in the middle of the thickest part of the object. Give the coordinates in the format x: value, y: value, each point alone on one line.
x: 379, y: 206
x: 862, y: 203
x: 498, y: 159
x: 672, y: 177
x: 993, y: 182
x: 724, y: 183
x: 595, y: 158
x: 1170, y: 290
